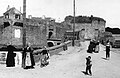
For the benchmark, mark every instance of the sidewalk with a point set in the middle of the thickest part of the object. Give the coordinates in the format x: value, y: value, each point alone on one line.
x: 70, y: 64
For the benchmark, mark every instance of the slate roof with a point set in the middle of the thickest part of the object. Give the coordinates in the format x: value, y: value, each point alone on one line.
x: 12, y: 10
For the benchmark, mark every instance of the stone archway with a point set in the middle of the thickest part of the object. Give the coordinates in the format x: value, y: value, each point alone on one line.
x: 50, y: 44
x: 50, y: 34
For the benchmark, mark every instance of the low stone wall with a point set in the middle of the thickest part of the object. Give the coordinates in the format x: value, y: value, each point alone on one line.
x: 52, y: 50
x: 18, y: 58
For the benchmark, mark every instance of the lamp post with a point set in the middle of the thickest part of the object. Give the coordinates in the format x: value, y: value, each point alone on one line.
x: 73, y: 40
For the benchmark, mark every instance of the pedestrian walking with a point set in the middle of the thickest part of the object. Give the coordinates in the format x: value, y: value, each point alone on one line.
x: 65, y: 45
x: 28, y: 57
x: 10, y: 61
x: 108, y: 50
x: 88, y: 65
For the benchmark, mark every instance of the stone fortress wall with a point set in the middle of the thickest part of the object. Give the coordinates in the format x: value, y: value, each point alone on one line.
x: 89, y: 27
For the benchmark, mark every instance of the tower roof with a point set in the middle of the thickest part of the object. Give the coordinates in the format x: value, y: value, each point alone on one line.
x: 12, y: 10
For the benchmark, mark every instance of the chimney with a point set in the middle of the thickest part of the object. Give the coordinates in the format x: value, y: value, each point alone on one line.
x: 20, y: 9
x: 8, y: 7
x: 30, y: 16
x: 91, y: 15
x: 43, y: 17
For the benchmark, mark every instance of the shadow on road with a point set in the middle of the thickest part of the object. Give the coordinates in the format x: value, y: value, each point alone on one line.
x: 85, y: 72
x: 104, y: 58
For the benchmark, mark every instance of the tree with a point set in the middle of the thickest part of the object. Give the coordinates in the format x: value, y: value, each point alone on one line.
x: 113, y: 30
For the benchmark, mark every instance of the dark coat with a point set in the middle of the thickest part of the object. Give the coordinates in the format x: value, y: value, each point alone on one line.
x: 10, y: 61
x: 107, y: 49
x: 88, y: 62
x: 91, y: 47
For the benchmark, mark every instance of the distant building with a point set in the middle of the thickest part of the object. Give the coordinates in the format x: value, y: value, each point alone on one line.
x: 85, y: 27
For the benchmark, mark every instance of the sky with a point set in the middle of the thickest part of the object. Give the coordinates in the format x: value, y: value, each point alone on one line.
x: 109, y: 10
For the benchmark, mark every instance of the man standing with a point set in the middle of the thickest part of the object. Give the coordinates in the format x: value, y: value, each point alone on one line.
x: 108, y: 50
x: 65, y: 45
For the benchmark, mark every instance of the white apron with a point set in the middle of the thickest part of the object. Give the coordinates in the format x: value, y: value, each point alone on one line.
x: 28, y: 60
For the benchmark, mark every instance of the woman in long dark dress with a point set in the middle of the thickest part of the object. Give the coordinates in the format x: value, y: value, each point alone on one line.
x: 28, y: 57
x: 10, y: 61
x: 91, y: 47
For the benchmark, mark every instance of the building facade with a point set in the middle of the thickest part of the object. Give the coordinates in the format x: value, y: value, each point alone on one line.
x: 38, y: 30
x: 86, y: 27
x: 11, y: 29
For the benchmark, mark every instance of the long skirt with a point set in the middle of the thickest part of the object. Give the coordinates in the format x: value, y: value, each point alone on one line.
x: 90, y: 48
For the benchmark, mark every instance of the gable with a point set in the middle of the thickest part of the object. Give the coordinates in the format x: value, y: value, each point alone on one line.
x: 12, y: 11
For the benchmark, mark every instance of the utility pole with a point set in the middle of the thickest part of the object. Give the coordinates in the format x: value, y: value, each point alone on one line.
x: 73, y: 41
x: 24, y: 31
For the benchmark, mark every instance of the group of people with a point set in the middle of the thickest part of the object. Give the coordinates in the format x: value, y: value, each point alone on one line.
x: 28, y: 61
x: 93, y: 46
x: 88, y: 59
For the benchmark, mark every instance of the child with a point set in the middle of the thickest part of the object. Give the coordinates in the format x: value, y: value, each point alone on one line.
x: 88, y: 65
x: 45, y: 59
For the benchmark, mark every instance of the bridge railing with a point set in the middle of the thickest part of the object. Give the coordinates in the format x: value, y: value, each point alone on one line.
x: 68, y: 43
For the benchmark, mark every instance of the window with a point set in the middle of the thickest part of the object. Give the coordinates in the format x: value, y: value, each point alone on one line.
x: 17, y: 33
x: 18, y: 24
x: 83, y: 30
x: 17, y: 16
x: 7, y: 16
x: 6, y: 24
x: 96, y: 29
